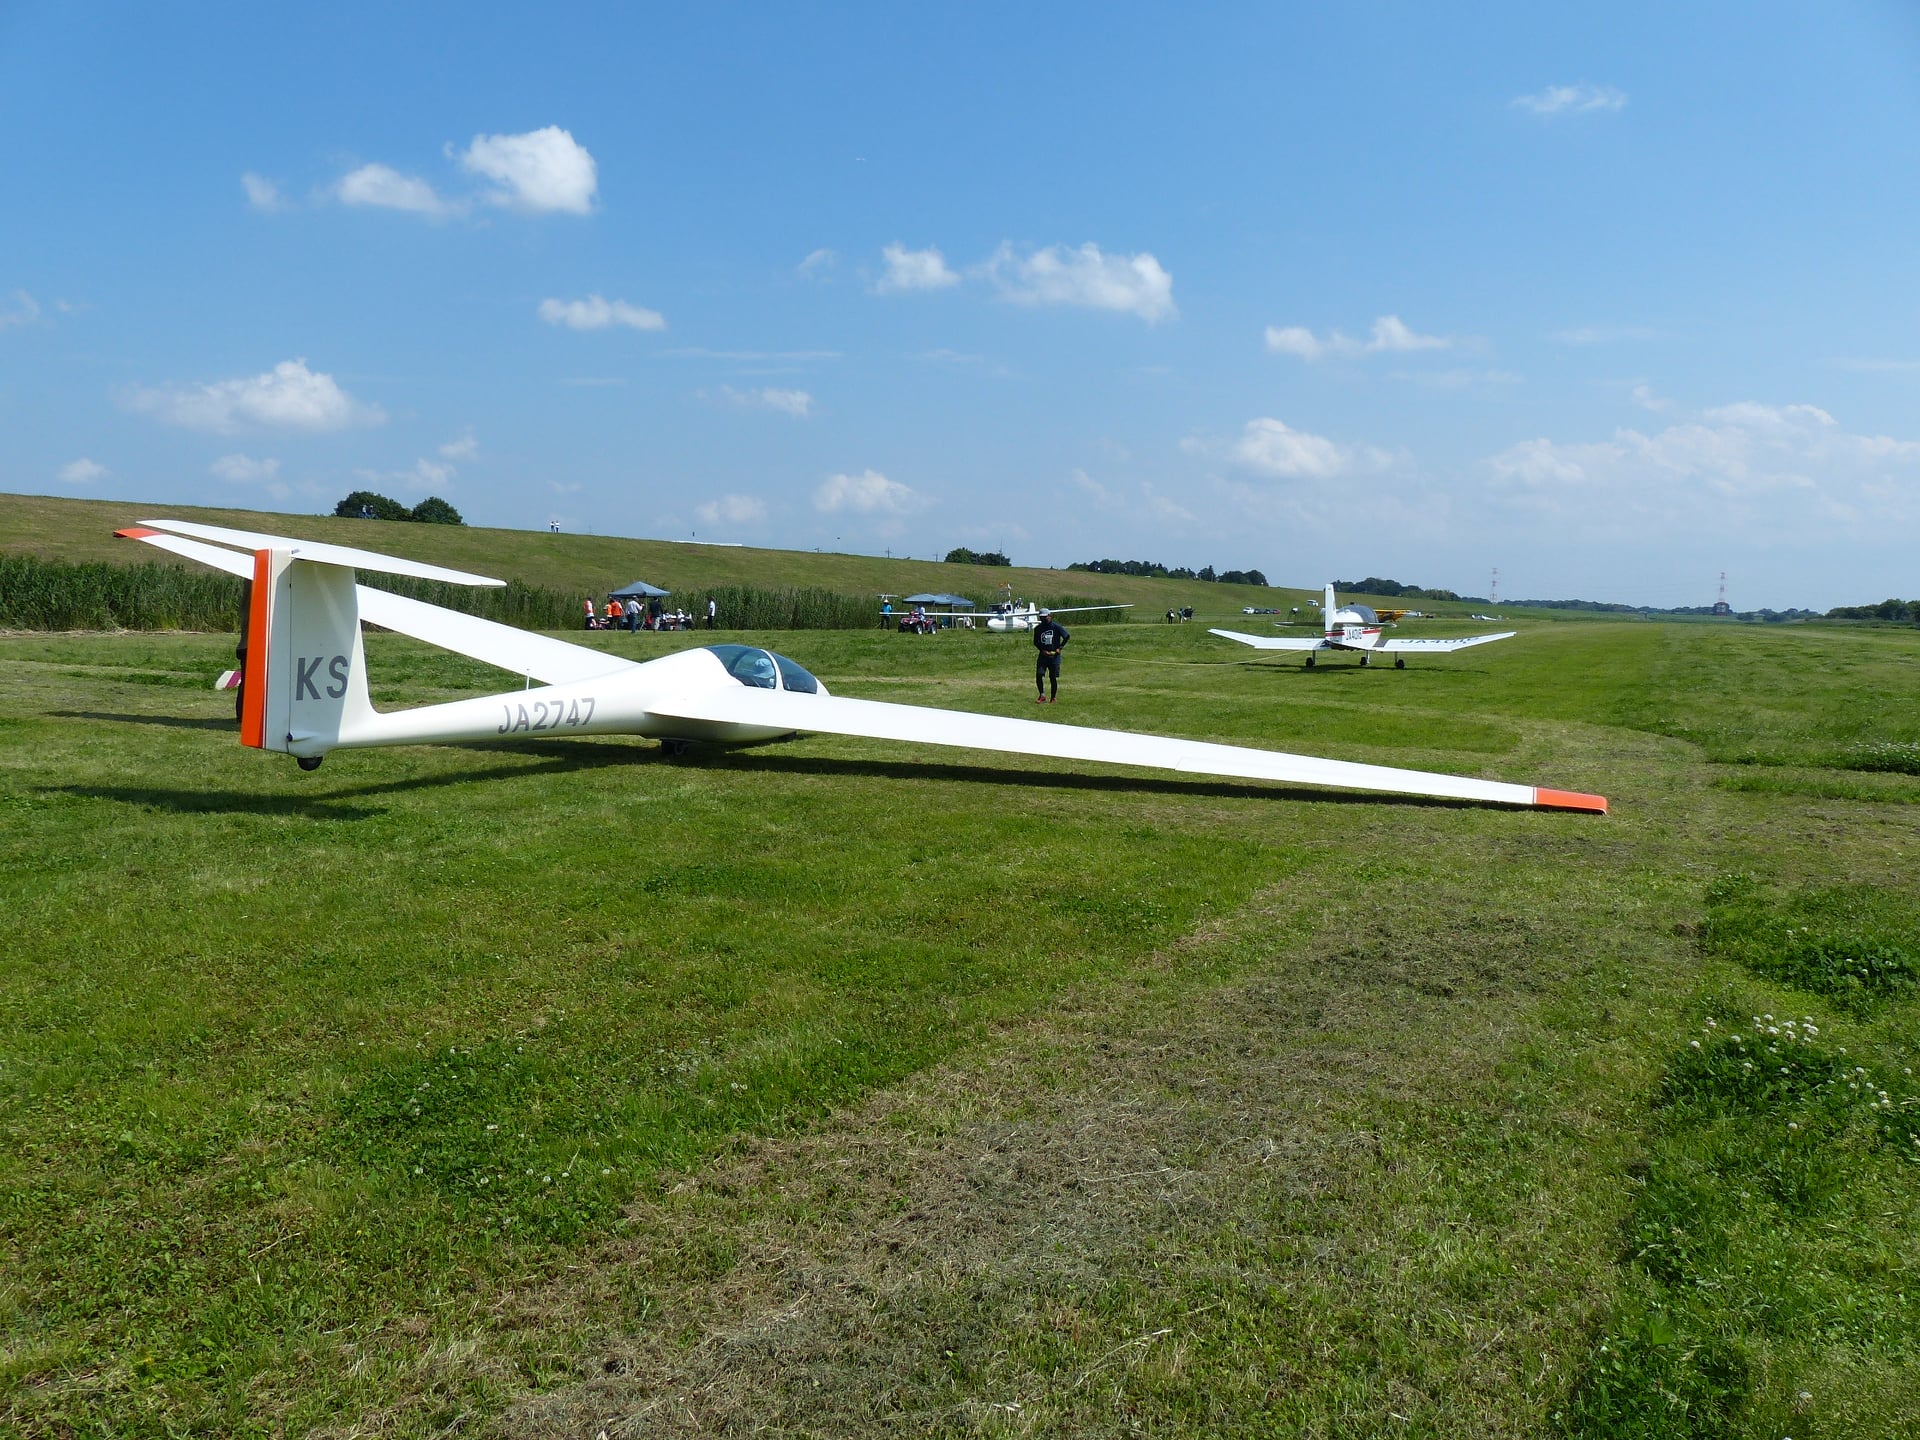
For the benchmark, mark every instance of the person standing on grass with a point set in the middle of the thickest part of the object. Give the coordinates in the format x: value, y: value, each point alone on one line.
x: 1050, y: 637
x: 713, y: 612
x: 633, y: 615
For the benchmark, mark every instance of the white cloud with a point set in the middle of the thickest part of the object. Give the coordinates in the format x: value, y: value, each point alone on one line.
x: 797, y: 403
x: 596, y: 313
x: 541, y: 171
x: 287, y: 397
x: 1774, y: 470
x: 732, y: 510
x: 386, y: 189
x: 244, y: 469
x: 22, y: 309
x: 1132, y: 284
x: 263, y: 194
x: 817, y: 264
x: 1276, y: 450
x: 465, y: 448
x: 914, y: 270
x: 1390, y: 335
x: 867, y: 493
x: 1579, y: 99
x: 1645, y: 397
x: 83, y: 472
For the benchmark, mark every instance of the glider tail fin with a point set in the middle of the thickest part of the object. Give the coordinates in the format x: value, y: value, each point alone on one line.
x: 1326, y: 612
x: 304, y: 684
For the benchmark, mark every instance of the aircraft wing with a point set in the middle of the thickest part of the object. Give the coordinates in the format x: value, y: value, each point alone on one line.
x: 881, y: 720
x: 1271, y: 642
x: 1431, y: 646
x: 555, y: 662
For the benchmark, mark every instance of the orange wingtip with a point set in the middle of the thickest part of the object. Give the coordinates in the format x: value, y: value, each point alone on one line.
x: 135, y: 532
x: 1570, y: 800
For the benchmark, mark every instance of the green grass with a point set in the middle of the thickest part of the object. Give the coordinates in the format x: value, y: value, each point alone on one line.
x: 840, y: 1087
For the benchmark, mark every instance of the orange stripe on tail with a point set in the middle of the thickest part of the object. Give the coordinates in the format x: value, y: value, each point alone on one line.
x: 1570, y: 800
x: 253, y: 685
x: 135, y: 532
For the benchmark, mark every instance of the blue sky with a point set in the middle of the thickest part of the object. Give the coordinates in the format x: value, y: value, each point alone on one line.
x: 1612, y: 299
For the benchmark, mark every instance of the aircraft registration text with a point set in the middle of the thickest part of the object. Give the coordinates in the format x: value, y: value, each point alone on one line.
x: 546, y: 715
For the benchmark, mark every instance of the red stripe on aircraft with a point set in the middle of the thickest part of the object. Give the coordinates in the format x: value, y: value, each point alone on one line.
x: 253, y: 685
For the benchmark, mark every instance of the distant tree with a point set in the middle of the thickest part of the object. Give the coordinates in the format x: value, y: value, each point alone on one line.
x: 1243, y: 577
x: 435, y: 511
x: 961, y: 555
x: 1206, y: 573
x: 366, y: 504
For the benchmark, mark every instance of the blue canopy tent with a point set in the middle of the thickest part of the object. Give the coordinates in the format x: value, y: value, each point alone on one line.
x: 639, y: 590
x: 938, y: 601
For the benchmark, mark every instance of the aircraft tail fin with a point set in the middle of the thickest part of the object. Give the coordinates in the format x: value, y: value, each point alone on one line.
x: 1326, y: 612
x: 304, y: 688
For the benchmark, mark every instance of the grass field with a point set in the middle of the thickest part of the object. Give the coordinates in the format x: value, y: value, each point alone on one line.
x: 837, y: 1088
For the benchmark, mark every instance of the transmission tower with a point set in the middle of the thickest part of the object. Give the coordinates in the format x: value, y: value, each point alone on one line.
x: 1493, y: 590
x: 1720, y: 606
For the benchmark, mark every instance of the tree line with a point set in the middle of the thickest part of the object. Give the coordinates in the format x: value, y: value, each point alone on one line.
x: 369, y: 505
x: 961, y: 555
x: 1154, y: 570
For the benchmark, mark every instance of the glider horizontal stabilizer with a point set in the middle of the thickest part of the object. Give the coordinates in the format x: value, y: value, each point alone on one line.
x: 555, y: 662
x: 320, y: 553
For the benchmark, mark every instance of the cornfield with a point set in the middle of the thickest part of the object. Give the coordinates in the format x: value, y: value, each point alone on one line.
x: 38, y: 594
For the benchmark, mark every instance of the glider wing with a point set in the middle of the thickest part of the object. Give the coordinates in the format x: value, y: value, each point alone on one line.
x: 880, y: 720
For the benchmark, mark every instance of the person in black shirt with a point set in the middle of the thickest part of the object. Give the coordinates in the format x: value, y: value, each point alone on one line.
x: 1049, y: 639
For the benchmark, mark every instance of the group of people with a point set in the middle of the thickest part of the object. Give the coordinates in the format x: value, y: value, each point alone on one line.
x: 632, y: 615
x: 1180, y: 616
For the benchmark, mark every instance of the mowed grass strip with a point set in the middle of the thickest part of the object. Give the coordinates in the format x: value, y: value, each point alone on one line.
x: 257, y: 1024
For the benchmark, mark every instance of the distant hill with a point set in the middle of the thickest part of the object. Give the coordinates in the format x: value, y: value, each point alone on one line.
x: 58, y: 527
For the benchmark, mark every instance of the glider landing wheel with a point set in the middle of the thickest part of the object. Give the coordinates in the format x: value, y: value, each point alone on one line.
x: 308, y: 762
x: 1366, y: 662
x: 1309, y: 664
x: 676, y: 749
x: 1399, y: 662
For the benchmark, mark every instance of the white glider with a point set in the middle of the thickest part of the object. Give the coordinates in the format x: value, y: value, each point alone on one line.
x: 304, y: 689
x: 1357, y: 627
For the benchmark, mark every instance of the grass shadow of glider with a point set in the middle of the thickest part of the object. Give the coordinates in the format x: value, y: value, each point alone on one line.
x: 337, y: 804
x: 1068, y: 780
x: 176, y: 722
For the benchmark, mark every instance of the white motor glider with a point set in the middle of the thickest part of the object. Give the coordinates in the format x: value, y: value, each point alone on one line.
x: 1358, y: 627
x: 1007, y: 617
x: 304, y: 688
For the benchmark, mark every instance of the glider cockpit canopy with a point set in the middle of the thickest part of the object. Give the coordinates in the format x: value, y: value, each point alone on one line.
x: 765, y: 670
